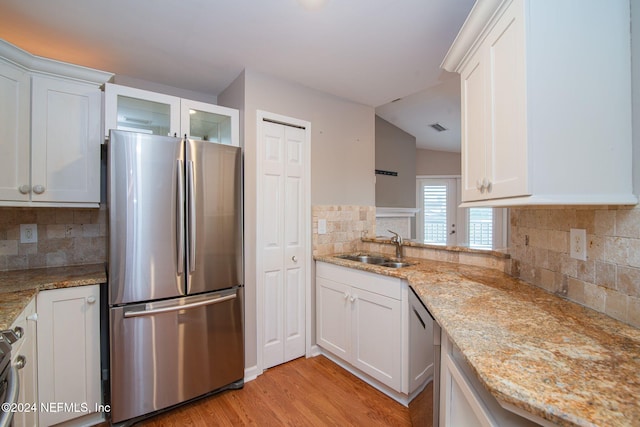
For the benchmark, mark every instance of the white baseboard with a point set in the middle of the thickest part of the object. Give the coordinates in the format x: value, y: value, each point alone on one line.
x: 86, y: 420
x: 251, y: 373
x: 315, y: 351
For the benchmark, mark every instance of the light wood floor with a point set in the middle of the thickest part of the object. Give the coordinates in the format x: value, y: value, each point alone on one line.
x: 304, y: 392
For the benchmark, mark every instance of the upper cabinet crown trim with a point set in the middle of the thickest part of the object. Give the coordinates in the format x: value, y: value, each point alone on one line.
x: 39, y: 64
x: 479, y: 21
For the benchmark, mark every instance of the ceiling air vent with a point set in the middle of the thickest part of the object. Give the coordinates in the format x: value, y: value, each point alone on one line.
x: 438, y: 127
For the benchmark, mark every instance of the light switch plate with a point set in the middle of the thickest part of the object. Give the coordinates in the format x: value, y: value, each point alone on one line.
x: 578, y: 243
x: 28, y: 233
x: 322, y: 226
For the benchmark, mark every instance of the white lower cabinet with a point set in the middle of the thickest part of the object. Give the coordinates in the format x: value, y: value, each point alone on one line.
x: 464, y: 402
x: 362, y: 318
x: 68, y: 353
x: 23, y: 354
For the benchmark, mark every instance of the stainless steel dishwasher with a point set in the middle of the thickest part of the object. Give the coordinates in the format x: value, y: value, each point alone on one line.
x: 422, y: 325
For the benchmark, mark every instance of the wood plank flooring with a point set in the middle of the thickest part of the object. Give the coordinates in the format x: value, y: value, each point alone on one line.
x: 304, y: 392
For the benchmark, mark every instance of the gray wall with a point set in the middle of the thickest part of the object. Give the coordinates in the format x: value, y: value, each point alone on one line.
x: 395, y: 151
x: 431, y: 162
x: 342, y: 159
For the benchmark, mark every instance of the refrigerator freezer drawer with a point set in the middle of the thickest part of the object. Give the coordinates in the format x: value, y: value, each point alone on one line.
x: 167, y: 352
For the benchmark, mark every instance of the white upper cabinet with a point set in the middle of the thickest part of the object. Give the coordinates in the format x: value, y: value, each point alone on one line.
x: 14, y: 132
x: 65, y: 141
x: 50, y: 136
x: 140, y: 110
x: 210, y: 122
x: 546, y: 103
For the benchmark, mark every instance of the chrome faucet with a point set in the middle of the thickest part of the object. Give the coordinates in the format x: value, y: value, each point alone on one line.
x: 397, y: 240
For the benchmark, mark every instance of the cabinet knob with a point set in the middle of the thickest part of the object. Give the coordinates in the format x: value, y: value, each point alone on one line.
x: 294, y: 259
x: 346, y: 295
x: 18, y: 331
x: 38, y: 189
x: 484, y: 185
x: 21, y: 362
x: 91, y: 299
x: 33, y: 317
x: 24, y: 189
x: 352, y: 299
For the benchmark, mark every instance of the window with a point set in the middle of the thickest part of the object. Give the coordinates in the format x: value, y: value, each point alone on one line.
x: 435, y: 214
x: 480, y: 228
x: 441, y: 222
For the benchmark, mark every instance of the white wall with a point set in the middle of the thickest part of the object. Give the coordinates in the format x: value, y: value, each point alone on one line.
x: 342, y: 158
x: 431, y: 162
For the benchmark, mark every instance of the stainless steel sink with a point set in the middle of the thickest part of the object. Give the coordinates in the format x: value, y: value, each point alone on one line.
x: 394, y: 264
x: 368, y: 259
x: 377, y: 260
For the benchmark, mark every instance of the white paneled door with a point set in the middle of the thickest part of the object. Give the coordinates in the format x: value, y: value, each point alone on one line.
x: 282, y: 238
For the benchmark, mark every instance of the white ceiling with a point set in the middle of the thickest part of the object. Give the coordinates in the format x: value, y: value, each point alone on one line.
x: 367, y: 51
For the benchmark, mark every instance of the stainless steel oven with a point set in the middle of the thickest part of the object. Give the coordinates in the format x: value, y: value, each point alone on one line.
x: 9, y: 378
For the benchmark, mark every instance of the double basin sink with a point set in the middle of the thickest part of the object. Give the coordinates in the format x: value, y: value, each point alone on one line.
x: 376, y: 260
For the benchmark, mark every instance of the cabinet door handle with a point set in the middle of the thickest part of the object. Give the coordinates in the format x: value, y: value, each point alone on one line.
x: 39, y: 189
x: 346, y: 295
x: 294, y: 259
x: 91, y: 299
x: 33, y: 317
x: 24, y: 189
x: 353, y: 299
x: 419, y: 318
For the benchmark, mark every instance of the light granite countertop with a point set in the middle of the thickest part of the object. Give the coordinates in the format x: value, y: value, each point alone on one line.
x: 19, y: 286
x: 548, y: 356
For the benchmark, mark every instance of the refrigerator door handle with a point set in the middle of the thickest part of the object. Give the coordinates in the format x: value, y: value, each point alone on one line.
x: 177, y: 307
x: 180, y: 212
x: 192, y: 216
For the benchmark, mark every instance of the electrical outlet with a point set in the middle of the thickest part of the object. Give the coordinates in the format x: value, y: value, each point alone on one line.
x: 28, y: 233
x: 578, y: 243
x: 322, y: 226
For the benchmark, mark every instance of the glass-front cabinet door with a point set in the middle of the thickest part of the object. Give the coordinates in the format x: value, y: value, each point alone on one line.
x: 139, y: 110
x: 209, y: 122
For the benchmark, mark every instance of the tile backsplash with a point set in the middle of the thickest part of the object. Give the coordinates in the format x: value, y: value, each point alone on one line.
x: 346, y: 225
x: 608, y: 281
x: 65, y: 237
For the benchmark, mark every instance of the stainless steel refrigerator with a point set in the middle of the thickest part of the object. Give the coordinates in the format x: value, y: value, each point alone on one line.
x: 175, y: 271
